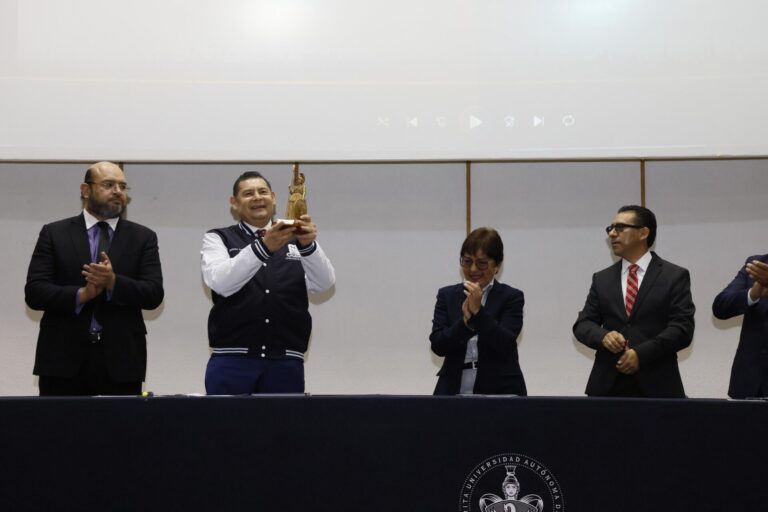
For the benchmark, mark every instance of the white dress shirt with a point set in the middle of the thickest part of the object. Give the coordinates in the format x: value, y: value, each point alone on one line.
x: 642, y: 263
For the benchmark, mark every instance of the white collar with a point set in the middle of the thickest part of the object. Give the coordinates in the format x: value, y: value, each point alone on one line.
x: 91, y: 221
x: 643, y: 263
x: 254, y: 228
x: 251, y: 229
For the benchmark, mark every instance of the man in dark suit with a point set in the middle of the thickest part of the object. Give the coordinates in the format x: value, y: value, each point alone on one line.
x: 637, y: 316
x: 747, y: 295
x: 92, y: 275
x: 476, y: 324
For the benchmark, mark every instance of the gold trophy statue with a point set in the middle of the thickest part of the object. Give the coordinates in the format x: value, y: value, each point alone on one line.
x: 297, y: 203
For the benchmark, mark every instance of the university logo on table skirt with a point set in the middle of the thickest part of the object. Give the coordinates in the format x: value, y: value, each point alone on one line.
x: 511, y: 482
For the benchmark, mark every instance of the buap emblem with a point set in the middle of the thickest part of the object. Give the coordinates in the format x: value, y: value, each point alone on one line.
x: 510, y: 502
x: 512, y: 473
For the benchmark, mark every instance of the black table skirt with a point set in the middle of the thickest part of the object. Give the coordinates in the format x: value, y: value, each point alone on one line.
x: 382, y: 453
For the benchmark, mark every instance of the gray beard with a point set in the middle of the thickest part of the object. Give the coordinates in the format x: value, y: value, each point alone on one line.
x: 104, y: 210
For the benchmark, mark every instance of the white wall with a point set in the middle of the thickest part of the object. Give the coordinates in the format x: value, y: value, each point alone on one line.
x: 393, y: 232
x: 30, y: 195
x: 277, y: 80
x: 551, y: 217
x: 713, y: 215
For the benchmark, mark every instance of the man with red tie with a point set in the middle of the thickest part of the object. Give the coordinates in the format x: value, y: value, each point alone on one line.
x: 637, y: 316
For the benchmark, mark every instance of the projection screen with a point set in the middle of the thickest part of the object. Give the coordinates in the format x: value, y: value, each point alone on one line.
x: 336, y: 80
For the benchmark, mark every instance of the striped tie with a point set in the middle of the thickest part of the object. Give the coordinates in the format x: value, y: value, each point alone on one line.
x: 631, y: 288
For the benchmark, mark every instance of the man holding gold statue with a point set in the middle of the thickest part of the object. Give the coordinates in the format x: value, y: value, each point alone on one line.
x: 259, y: 272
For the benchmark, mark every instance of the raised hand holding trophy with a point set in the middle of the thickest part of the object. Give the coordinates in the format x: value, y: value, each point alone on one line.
x: 297, y: 203
x: 296, y: 218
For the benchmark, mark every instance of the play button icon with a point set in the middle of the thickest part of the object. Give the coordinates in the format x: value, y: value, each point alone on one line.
x: 474, y: 122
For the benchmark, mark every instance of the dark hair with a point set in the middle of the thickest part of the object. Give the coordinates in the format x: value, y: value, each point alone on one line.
x: 486, y: 240
x: 643, y: 217
x: 248, y: 175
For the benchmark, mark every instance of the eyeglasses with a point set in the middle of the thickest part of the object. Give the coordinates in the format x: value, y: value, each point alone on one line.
x: 620, y: 226
x: 467, y: 262
x: 111, y: 185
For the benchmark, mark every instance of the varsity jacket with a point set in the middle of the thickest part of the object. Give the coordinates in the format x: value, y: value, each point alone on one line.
x: 268, y: 317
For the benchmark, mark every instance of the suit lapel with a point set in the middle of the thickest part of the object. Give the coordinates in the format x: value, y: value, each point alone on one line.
x: 79, y: 236
x: 119, y: 240
x: 617, y: 292
x: 653, y: 272
x: 454, y: 300
x: 489, y: 301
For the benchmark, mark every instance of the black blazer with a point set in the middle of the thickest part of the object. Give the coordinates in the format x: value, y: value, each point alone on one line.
x: 750, y: 366
x: 53, y: 278
x: 661, y: 323
x: 497, y: 326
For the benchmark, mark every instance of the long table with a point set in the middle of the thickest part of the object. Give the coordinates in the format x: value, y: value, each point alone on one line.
x: 382, y: 453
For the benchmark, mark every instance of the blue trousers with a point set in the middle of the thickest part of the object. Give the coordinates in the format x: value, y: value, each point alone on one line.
x: 241, y: 375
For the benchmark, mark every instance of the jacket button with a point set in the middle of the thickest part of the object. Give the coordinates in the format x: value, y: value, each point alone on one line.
x: 266, y: 321
x: 262, y: 354
x: 267, y: 291
x: 263, y: 347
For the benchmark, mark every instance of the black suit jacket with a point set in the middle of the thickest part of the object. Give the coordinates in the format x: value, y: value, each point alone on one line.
x: 750, y: 366
x: 661, y: 323
x: 497, y: 326
x: 53, y: 279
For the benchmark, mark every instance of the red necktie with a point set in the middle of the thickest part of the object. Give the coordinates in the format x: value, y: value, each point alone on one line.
x: 631, y: 288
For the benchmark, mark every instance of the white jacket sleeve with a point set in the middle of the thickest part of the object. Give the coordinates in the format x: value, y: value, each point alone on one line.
x: 318, y: 271
x: 225, y: 275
